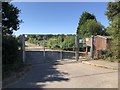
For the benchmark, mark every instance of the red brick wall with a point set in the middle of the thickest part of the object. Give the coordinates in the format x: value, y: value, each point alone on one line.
x: 100, y: 43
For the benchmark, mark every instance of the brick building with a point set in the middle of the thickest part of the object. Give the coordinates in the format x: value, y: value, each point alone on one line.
x: 100, y: 42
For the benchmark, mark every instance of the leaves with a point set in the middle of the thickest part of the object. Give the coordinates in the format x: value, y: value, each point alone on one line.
x: 113, y: 15
x: 112, y: 10
x: 88, y: 26
x: 10, y: 19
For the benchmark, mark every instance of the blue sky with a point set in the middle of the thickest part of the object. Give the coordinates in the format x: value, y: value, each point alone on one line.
x: 56, y: 18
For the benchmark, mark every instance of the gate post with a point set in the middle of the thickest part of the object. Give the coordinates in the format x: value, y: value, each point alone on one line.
x: 77, y: 47
x: 92, y: 47
x: 44, y: 46
x: 23, y: 47
x: 61, y: 56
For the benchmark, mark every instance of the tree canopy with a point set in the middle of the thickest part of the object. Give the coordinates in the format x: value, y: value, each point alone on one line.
x: 113, y: 14
x: 10, y: 18
x: 112, y: 10
x: 91, y: 27
x: 88, y: 25
x: 84, y: 17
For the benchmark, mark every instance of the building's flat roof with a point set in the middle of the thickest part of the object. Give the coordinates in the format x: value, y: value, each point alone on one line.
x: 106, y: 37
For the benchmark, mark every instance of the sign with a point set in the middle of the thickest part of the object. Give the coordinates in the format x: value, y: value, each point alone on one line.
x: 88, y: 41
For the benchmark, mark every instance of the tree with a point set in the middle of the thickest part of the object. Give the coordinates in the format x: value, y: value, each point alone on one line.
x: 10, y: 21
x: 114, y: 31
x: 69, y: 42
x: 112, y: 10
x: 91, y: 27
x: 84, y: 17
x: 113, y: 14
x: 11, y: 60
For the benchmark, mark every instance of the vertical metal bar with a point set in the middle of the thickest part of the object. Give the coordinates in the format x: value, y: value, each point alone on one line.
x: 0, y: 47
x: 23, y: 47
x: 61, y: 53
x: 77, y: 47
x: 92, y: 47
x: 43, y: 46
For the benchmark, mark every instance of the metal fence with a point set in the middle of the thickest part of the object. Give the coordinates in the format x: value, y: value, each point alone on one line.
x: 48, y: 48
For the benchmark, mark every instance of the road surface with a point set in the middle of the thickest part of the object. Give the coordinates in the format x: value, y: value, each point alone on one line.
x: 47, y: 74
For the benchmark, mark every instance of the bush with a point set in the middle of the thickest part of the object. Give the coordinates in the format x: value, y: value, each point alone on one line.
x: 11, y: 56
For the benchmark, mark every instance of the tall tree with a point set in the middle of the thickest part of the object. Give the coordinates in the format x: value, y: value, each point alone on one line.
x: 10, y: 20
x: 84, y: 17
x: 88, y: 25
x: 112, y: 10
x: 11, y: 56
x: 113, y: 14
x: 91, y: 27
x: 114, y: 31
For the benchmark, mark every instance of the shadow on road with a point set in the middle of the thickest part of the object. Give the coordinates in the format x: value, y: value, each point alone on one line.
x: 50, y: 56
x: 41, y: 71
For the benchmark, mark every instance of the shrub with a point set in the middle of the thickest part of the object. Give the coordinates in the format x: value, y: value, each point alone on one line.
x: 11, y: 56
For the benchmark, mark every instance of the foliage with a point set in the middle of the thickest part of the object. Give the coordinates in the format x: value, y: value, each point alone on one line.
x: 69, y: 43
x: 113, y: 14
x: 10, y: 20
x: 91, y: 27
x: 112, y: 10
x: 53, y: 41
x: 114, y: 31
x: 84, y: 17
x: 88, y: 25
x: 10, y: 54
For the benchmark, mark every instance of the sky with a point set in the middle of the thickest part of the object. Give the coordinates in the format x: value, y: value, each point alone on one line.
x: 56, y: 17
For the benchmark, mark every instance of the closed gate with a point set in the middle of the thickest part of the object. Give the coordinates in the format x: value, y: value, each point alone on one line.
x: 49, y: 48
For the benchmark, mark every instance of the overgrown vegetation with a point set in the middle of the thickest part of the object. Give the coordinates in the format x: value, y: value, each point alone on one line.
x: 64, y: 42
x: 88, y: 25
x: 113, y: 14
x: 12, y: 59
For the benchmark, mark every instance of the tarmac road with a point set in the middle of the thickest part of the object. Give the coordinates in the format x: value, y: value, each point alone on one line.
x: 61, y: 74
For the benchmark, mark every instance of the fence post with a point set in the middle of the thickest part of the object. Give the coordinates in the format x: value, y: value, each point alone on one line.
x: 43, y: 46
x: 77, y: 47
x: 61, y: 56
x: 23, y: 47
x: 92, y: 47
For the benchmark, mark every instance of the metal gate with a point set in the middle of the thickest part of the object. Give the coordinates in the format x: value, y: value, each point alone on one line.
x: 49, y: 48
